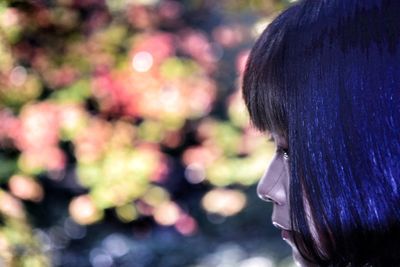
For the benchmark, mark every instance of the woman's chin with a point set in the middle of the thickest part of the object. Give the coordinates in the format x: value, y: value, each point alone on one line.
x: 298, y: 259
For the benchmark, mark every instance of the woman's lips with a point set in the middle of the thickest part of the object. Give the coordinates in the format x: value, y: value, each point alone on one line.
x: 286, y: 235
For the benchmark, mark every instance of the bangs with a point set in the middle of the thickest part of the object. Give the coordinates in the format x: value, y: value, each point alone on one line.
x: 343, y: 72
x: 326, y: 75
x: 264, y: 90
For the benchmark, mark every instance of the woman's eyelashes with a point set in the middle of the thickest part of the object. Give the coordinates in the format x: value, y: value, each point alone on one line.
x: 283, y: 151
x: 280, y: 149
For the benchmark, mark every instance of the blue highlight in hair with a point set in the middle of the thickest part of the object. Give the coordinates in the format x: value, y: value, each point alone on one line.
x: 327, y: 74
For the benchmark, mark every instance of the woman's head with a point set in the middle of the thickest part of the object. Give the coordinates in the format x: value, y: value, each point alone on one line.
x: 325, y: 77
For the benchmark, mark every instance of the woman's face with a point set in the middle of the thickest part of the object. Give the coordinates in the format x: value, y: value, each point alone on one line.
x: 274, y: 187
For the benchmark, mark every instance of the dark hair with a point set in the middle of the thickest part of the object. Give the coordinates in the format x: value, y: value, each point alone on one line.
x: 326, y: 75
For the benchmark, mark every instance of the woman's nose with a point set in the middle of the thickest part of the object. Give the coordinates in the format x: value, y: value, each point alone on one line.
x: 272, y: 186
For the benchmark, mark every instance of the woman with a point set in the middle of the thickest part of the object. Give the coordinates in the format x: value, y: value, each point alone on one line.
x: 324, y: 80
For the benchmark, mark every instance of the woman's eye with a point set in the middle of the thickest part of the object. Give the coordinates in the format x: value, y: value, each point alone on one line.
x: 283, y: 151
x: 280, y: 149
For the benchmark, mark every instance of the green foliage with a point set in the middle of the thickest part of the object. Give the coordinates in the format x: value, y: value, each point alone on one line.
x: 108, y: 93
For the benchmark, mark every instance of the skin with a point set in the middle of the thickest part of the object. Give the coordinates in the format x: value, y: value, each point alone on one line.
x: 274, y: 187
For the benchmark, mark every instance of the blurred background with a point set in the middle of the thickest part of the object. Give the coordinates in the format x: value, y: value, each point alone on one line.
x: 123, y: 137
